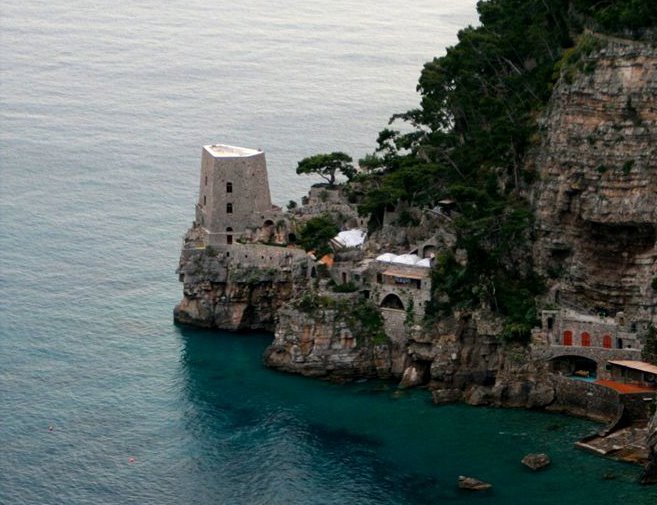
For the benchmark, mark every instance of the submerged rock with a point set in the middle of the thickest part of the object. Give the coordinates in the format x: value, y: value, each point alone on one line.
x: 536, y: 461
x: 473, y: 484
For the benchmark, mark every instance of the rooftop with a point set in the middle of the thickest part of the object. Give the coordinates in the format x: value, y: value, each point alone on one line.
x: 226, y: 151
x: 624, y: 388
x: 636, y: 365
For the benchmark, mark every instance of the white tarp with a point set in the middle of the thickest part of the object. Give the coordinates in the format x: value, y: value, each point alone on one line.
x: 426, y: 262
x: 351, y: 238
x: 386, y: 257
x: 407, y: 259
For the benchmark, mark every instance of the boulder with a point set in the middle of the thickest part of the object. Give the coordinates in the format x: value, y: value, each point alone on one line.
x: 473, y: 484
x: 536, y: 461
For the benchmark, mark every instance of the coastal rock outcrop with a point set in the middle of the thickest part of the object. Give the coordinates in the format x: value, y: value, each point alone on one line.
x: 238, y: 288
x: 320, y: 337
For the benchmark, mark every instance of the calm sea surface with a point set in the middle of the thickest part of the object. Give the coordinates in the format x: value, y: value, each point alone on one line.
x: 104, y: 107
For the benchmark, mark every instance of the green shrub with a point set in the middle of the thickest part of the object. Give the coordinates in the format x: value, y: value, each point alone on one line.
x: 347, y: 287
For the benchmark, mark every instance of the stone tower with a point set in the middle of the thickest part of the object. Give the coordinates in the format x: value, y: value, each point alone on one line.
x: 234, y: 192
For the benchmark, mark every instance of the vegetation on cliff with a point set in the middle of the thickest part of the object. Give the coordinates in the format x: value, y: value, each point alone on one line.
x: 470, y: 137
x: 316, y: 234
x: 327, y: 166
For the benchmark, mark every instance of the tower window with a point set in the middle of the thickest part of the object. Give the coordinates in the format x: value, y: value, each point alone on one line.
x: 229, y: 187
x: 204, y: 201
x: 229, y: 208
x: 206, y: 180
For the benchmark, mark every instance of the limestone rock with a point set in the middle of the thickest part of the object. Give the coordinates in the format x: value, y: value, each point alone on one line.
x: 237, y: 288
x: 323, y: 344
x: 650, y: 471
x: 447, y: 395
x: 595, y: 202
x: 473, y: 484
x: 414, y: 375
x: 536, y: 461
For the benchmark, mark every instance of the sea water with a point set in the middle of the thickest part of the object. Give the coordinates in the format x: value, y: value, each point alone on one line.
x: 104, y: 108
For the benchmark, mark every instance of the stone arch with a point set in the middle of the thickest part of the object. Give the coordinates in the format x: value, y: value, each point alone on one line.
x: 573, y: 365
x: 392, y: 301
x: 268, y: 223
x: 292, y: 238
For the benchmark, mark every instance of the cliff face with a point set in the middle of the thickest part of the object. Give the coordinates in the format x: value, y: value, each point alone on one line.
x: 650, y: 472
x: 326, y: 343
x: 596, y: 203
x: 238, y: 288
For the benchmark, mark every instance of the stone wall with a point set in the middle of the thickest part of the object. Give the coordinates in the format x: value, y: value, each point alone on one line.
x: 584, y: 399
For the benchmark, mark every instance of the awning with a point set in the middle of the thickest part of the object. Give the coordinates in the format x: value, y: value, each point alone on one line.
x: 636, y: 365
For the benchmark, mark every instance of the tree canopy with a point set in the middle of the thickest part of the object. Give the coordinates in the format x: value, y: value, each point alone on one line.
x: 317, y: 233
x: 469, y: 138
x: 327, y: 165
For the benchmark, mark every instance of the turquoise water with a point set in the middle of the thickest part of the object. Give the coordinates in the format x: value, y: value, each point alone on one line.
x: 104, y: 107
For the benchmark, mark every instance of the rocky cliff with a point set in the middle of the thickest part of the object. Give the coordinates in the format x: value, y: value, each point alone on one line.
x: 321, y: 337
x: 238, y: 287
x: 650, y: 473
x: 596, y: 202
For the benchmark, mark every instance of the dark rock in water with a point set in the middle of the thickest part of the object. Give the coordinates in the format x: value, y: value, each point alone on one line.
x: 473, y: 484
x: 536, y: 461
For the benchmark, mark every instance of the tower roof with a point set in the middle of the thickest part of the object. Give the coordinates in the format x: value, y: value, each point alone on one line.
x: 226, y: 151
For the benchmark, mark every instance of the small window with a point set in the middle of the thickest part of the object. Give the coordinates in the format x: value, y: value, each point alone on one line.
x: 229, y: 187
x: 229, y: 208
x: 206, y: 180
x: 204, y: 201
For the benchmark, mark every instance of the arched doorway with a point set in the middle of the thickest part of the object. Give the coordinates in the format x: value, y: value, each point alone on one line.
x: 606, y: 341
x: 586, y: 339
x: 392, y: 301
